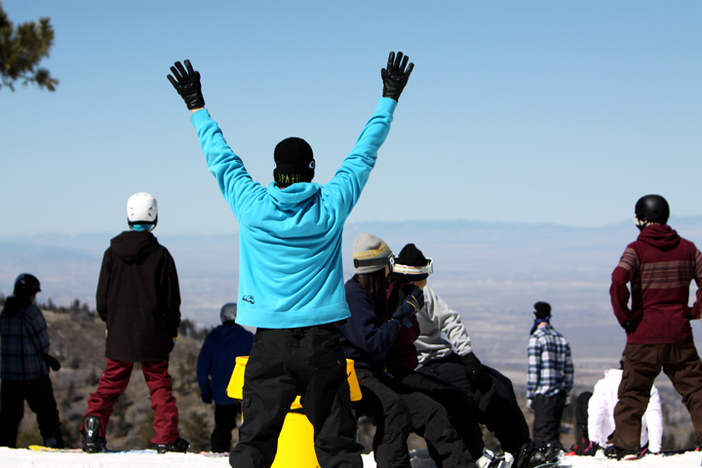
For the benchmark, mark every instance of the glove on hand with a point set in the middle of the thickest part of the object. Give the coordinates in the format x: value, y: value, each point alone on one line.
x: 530, y: 405
x: 187, y: 83
x: 206, y: 399
x: 411, y: 305
x: 51, y: 362
x: 395, y: 76
x: 477, y: 376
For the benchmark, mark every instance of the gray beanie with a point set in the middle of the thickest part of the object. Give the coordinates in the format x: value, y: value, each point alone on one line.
x: 370, y: 254
x: 228, y: 312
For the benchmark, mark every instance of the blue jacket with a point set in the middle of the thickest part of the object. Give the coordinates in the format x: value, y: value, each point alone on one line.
x: 217, y: 359
x: 290, y: 267
x: 363, y: 337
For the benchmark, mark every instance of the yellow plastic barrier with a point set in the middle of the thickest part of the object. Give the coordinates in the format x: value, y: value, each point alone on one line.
x: 296, y: 440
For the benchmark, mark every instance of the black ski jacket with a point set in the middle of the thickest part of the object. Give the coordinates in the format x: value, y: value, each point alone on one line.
x: 138, y: 297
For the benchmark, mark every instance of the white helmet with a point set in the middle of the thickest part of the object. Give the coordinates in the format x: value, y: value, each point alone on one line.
x: 142, y: 208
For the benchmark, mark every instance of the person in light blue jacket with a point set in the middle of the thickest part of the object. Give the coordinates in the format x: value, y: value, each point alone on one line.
x: 291, y: 276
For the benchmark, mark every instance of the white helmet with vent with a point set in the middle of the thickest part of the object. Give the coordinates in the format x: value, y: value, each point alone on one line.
x: 142, y: 208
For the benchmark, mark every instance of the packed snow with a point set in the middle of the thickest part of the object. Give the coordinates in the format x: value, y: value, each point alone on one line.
x: 24, y: 458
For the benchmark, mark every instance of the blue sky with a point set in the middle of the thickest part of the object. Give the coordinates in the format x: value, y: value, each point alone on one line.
x: 527, y: 111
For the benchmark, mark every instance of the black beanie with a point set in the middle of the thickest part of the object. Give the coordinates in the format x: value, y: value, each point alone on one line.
x: 410, y: 256
x: 542, y: 310
x: 294, y: 162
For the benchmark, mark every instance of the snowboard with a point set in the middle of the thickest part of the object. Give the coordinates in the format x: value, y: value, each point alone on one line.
x: 41, y: 448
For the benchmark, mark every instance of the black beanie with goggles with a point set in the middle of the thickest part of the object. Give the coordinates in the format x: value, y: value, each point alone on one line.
x: 294, y: 162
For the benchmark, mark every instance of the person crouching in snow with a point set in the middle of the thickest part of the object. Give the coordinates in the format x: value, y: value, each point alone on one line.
x: 445, y: 352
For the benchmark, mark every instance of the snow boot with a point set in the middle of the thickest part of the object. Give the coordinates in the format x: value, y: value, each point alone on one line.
x: 490, y: 460
x: 619, y: 453
x: 92, y: 442
x: 180, y: 445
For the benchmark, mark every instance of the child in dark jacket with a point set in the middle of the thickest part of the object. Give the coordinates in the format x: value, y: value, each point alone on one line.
x: 215, y: 365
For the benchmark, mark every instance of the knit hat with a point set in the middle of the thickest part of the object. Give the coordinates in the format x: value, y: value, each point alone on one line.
x: 542, y: 310
x: 294, y: 162
x: 412, y: 265
x: 370, y: 254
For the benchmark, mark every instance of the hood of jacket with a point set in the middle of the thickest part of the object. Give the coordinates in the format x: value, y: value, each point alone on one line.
x: 293, y: 194
x: 661, y: 236
x: 133, y: 246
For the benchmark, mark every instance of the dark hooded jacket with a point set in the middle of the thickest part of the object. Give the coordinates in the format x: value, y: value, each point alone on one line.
x: 660, y: 266
x: 138, y: 297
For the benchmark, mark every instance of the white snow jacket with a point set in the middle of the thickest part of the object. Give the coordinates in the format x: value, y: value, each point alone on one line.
x: 437, y: 318
x: 600, y: 413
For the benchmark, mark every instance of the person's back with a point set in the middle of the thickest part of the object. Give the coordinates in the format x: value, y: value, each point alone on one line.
x: 291, y: 275
x: 25, y: 366
x: 659, y: 266
x: 215, y: 365
x: 138, y: 298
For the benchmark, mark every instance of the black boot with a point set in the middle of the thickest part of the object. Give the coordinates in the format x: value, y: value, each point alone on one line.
x: 92, y: 442
x: 180, y: 445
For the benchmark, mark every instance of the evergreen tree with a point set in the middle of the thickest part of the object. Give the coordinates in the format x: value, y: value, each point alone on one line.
x: 21, y: 50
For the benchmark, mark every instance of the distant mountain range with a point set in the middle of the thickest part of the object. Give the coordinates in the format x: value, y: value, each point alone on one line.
x: 491, y: 272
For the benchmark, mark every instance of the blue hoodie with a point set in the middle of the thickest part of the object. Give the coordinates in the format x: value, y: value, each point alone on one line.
x: 290, y: 268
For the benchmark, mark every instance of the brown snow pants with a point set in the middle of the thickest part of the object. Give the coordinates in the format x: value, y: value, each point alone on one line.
x: 642, y: 364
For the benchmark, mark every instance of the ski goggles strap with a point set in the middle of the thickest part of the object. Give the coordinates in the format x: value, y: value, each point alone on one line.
x: 363, y: 262
x: 427, y: 269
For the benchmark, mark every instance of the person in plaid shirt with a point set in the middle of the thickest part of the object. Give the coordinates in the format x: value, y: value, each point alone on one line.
x: 25, y: 366
x: 549, y: 378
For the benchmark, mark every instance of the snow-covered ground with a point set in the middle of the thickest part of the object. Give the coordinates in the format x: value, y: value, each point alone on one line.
x: 24, y: 458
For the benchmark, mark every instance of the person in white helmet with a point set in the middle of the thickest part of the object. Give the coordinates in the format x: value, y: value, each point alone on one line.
x: 138, y: 297
x: 215, y: 365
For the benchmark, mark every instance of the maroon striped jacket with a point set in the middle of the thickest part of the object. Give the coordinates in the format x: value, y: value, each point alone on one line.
x: 660, y: 266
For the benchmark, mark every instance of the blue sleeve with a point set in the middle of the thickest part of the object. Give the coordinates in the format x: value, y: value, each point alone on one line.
x: 351, y: 177
x: 363, y: 329
x: 233, y: 179
x: 204, y: 370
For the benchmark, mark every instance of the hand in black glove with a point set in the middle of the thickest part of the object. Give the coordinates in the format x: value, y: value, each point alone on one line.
x: 410, y: 306
x: 206, y: 399
x: 395, y: 76
x: 187, y: 83
x: 629, y: 326
x: 51, y: 362
x: 477, y: 375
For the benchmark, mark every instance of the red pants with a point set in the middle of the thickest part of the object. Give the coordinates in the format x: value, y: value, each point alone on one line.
x: 113, y: 382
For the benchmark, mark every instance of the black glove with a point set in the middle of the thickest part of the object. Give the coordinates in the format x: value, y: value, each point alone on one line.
x: 206, y: 399
x: 629, y: 326
x: 51, y: 362
x: 410, y: 306
x: 187, y: 83
x: 477, y: 376
x: 395, y: 76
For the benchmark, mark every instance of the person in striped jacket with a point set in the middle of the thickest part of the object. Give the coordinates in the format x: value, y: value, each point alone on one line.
x: 659, y: 267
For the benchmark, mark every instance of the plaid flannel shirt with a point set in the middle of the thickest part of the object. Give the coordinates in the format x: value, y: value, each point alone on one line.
x: 25, y: 340
x: 550, y: 363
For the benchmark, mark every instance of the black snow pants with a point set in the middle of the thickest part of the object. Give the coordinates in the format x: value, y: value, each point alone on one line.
x: 457, y: 404
x: 39, y: 395
x: 225, y: 423
x: 497, y: 408
x: 285, y: 363
x: 548, y: 411
x: 398, y: 410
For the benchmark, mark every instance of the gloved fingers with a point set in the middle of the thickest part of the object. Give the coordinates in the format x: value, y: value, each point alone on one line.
x: 173, y: 81
x: 190, y: 67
